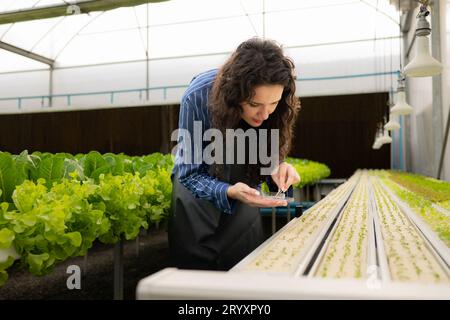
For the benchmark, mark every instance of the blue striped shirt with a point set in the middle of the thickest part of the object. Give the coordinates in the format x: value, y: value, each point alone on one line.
x: 195, y: 177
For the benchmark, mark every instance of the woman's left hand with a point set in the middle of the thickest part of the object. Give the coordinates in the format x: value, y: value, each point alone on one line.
x: 285, y: 176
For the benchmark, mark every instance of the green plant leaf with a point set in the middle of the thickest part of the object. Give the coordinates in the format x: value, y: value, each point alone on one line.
x: 24, y: 163
x: 74, y: 237
x: 72, y: 166
x: 115, y: 162
x: 8, y: 176
x: 92, y: 162
x: 51, y: 169
x: 36, y: 262
x: 6, y: 238
x: 6, y: 264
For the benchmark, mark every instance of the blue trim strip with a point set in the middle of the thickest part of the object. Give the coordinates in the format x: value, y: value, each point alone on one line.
x: 165, y: 88
x: 361, y: 75
x: 93, y: 93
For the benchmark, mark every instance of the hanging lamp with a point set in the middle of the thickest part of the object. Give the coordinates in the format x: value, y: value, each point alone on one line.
x: 423, y: 64
x: 401, y: 107
x: 385, y: 138
x: 392, y: 124
x: 377, y: 142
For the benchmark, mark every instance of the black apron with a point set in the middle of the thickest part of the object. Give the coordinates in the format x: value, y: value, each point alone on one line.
x: 203, y: 237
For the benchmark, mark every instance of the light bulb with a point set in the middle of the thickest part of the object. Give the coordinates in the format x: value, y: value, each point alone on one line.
x: 377, y: 144
x: 385, y: 138
x: 401, y: 107
x: 392, y: 123
x: 423, y: 64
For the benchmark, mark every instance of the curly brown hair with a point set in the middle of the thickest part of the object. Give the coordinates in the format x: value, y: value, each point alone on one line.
x: 255, y: 62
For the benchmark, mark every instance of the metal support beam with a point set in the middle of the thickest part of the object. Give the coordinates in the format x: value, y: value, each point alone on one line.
x: 405, y: 139
x: 405, y: 26
x: 444, y: 145
x: 147, y: 56
x: 63, y: 10
x: 264, y: 19
x: 437, y: 123
x: 50, y: 88
x: 25, y: 53
x: 410, y: 46
x: 406, y: 21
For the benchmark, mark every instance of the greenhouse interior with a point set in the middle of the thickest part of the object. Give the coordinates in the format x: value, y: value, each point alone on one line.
x: 97, y: 201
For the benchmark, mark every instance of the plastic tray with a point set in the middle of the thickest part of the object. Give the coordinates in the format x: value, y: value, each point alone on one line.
x: 274, y: 196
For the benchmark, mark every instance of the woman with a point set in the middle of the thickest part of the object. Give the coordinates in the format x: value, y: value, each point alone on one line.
x: 215, y: 220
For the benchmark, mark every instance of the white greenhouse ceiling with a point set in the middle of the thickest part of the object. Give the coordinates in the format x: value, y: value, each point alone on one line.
x: 179, y: 28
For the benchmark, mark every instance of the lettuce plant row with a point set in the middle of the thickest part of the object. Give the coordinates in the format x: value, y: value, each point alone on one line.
x: 408, y: 256
x: 421, y: 204
x: 434, y: 190
x: 54, y: 207
x: 346, y: 254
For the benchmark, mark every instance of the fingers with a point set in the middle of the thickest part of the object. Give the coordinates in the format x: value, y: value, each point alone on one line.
x: 279, y: 176
x: 289, y: 181
x: 268, y: 203
x: 257, y: 201
x: 252, y: 197
x: 292, y: 177
x: 282, y: 177
x: 275, y: 176
x: 285, y: 176
x: 245, y: 188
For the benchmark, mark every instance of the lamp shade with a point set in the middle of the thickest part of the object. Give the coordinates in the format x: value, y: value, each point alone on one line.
x: 423, y: 64
x: 377, y: 144
x: 401, y: 107
x: 385, y: 138
x: 392, y: 124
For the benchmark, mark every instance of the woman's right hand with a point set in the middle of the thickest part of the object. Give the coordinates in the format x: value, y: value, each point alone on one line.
x: 242, y: 192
